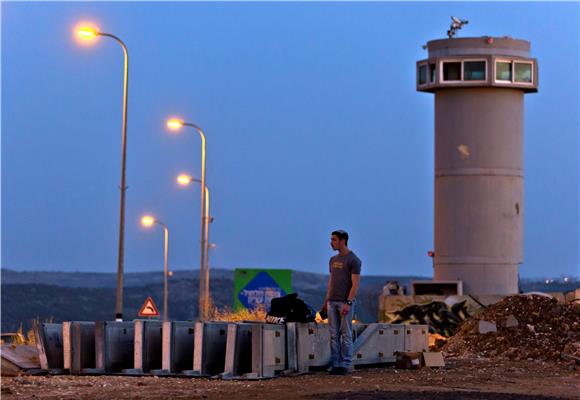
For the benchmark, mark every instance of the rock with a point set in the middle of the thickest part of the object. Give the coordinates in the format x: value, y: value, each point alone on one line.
x: 511, y: 322
x: 486, y: 327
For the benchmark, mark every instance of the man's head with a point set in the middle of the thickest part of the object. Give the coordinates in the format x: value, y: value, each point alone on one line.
x: 338, y: 240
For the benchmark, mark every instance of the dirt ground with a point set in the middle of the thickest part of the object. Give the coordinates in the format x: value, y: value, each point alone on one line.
x: 460, y: 379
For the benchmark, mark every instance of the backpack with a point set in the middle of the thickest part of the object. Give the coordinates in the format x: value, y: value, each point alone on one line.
x: 290, y: 308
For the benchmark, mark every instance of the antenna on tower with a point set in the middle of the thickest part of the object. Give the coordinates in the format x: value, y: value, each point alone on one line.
x: 456, y: 25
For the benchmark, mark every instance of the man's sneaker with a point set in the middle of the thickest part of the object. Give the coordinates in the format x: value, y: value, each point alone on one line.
x: 343, y: 371
x: 336, y: 371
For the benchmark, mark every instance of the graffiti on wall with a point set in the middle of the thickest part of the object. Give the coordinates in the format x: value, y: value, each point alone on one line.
x: 443, y: 317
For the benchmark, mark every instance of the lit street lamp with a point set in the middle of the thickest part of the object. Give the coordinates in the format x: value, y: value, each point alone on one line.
x: 91, y: 34
x: 148, y: 221
x: 176, y: 124
x: 185, y: 180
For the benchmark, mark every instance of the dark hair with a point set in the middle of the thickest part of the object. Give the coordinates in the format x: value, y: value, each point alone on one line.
x: 340, y: 234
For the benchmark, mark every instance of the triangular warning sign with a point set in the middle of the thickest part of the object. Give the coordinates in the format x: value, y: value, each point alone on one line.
x: 149, y: 309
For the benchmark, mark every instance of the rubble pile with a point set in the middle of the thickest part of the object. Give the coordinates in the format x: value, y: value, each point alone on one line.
x: 522, y: 327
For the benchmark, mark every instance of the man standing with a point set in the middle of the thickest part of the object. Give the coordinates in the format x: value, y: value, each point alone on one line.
x: 339, y: 302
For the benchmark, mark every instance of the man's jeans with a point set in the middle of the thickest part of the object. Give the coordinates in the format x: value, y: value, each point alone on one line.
x: 340, y: 326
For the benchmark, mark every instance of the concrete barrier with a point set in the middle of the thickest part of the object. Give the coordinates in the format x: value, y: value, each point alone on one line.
x: 238, y: 361
x: 268, y: 350
x: 378, y: 343
x: 209, y: 349
x: 78, y: 346
x: 177, y: 340
x: 49, y: 347
x: 147, y: 347
x: 308, y: 346
x: 114, y: 347
x: 416, y: 338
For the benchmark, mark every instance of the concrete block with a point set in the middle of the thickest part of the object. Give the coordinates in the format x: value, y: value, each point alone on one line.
x: 146, y: 347
x: 416, y: 338
x: 16, y: 360
x: 78, y: 346
x: 291, y: 348
x: 312, y: 346
x: 486, y: 327
x: 114, y: 347
x: 378, y: 344
x: 209, y: 349
x: 268, y: 349
x: 238, y: 360
x: 49, y: 346
x: 177, y: 347
x: 434, y: 359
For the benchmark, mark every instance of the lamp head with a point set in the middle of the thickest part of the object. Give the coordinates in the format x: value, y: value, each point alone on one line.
x: 87, y: 33
x: 184, y: 179
x: 175, y: 124
x: 147, y: 221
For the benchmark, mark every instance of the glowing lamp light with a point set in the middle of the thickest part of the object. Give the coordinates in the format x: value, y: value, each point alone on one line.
x: 174, y: 124
x: 184, y: 179
x: 147, y: 221
x: 87, y: 33
x: 431, y: 254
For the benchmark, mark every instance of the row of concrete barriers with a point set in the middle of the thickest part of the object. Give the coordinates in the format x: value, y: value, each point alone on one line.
x: 231, y: 350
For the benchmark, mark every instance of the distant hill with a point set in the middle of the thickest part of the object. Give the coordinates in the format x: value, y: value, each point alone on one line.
x: 62, y: 296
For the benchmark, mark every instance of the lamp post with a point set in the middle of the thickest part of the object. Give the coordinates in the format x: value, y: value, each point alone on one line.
x: 185, y: 180
x: 148, y: 221
x: 176, y: 124
x: 88, y: 34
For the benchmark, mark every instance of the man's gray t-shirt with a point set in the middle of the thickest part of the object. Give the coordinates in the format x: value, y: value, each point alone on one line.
x: 341, y: 268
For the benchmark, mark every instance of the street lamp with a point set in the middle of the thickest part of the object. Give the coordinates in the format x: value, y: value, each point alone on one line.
x: 185, y: 180
x: 148, y: 221
x: 88, y: 33
x: 175, y: 124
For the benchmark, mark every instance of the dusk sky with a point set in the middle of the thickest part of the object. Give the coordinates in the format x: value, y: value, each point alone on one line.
x: 312, y: 120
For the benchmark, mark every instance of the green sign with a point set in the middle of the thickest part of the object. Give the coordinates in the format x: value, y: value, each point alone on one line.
x: 257, y: 287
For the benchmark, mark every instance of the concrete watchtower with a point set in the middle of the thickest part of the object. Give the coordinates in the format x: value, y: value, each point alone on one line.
x: 479, y: 86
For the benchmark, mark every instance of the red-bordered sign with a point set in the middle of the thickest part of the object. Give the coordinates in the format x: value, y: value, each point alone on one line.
x: 149, y: 309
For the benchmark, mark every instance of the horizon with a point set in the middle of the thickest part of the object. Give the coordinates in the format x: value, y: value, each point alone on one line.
x: 196, y: 270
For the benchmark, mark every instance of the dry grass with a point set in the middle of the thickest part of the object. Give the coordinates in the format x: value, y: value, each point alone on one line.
x: 228, y: 315
x: 19, y: 338
x: 30, y: 337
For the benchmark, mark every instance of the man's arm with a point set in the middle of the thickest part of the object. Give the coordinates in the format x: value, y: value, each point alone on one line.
x: 355, y: 278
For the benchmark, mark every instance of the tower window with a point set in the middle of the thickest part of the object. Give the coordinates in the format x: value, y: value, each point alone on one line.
x: 432, y: 72
x: 523, y: 72
x: 474, y: 70
x: 452, y: 71
x: 422, y: 74
x: 503, y: 71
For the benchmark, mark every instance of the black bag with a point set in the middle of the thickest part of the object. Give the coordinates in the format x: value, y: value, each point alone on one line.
x: 290, y: 308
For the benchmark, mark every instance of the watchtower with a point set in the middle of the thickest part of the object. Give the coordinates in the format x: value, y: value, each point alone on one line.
x: 479, y: 86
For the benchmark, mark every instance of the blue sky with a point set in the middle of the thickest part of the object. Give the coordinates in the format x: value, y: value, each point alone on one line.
x: 312, y: 120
